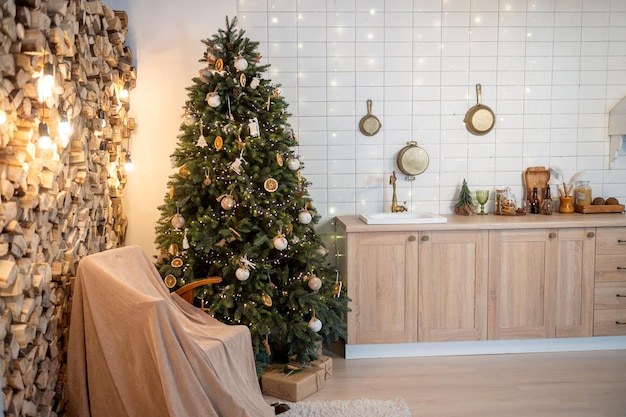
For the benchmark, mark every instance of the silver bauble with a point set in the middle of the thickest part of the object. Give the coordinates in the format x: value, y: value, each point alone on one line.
x: 315, y: 324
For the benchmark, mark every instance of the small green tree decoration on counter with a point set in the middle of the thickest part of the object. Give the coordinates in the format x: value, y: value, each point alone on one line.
x: 239, y: 208
x: 465, y: 204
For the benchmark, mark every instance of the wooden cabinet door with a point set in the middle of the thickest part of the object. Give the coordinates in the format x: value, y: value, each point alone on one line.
x: 382, y: 283
x: 574, y: 282
x: 453, y: 274
x: 522, y: 267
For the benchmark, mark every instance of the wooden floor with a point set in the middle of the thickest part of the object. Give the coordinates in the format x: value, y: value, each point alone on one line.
x: 571, y: 384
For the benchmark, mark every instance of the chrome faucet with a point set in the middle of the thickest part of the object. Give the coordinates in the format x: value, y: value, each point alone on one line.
x: 395, y: 208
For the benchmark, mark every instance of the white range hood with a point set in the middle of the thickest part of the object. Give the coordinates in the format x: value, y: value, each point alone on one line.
x: 617, y: 134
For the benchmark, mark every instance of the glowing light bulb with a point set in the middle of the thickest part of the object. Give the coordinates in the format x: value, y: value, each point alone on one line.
x: 102, y: 121
x: 128, y: 164
x: 44, y: 136
x: 46, y: 82
x: 65, y: 128
x: 125, y: 91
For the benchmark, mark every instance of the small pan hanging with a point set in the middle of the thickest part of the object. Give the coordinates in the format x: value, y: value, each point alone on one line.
x: 369, y: 125
x: 479, y: 119
x: 412, y: 160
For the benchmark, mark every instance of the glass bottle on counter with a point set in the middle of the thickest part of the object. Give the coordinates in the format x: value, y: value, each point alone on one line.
x: 547, y: 206
x: 534, y: 202
x: 583, y: 193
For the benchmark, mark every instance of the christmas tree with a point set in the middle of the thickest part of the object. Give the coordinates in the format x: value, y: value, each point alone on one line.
x: 465, y: 204
x: 238, y: 208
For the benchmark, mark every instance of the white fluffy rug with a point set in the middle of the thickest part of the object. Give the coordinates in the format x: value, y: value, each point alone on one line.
x: 349, y: 408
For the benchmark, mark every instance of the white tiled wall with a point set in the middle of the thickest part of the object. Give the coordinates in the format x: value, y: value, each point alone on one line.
x: 550, y: 70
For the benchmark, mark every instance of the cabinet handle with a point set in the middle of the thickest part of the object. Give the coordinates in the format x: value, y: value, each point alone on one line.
x: 412, y: 238
x: 620, y: 323
x: 552, y: 235
x: 621, y: 268
x: 591, y: 234
x: 621, y: 242
x: 620, y: 295
x: 425, y: 238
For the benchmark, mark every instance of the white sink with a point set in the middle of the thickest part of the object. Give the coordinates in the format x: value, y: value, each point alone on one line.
x: 402, y: 218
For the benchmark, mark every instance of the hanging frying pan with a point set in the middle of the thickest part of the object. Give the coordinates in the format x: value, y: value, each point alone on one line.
x: 369, y: 125
x: 412, y: 160
x: 479, y: 119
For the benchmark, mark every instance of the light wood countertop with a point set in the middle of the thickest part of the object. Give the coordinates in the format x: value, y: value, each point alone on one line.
x: 353, y: 224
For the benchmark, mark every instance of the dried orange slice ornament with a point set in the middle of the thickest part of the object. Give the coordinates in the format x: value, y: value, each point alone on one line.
x: 270, y: 185
x: 219, y: 64
x: 170, y: 281
x: 218, y: 143
x: 267, y: 300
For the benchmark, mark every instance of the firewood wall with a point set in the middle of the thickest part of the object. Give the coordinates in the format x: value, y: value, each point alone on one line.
x: 65, y: 131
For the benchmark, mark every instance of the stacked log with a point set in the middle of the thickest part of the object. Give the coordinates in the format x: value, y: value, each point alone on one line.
x: 60, y: 203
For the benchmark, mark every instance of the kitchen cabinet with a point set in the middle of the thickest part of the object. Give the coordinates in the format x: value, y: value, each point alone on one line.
x: 453, y: 274
x: 610, y: 285
x: 382, y: 283
x: 574, y: 282
x: 444, y: 273
x: 541, y: 283
x: 484, y: 278
x: 521, y: 267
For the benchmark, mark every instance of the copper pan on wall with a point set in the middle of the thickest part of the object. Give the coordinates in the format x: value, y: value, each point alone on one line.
x: 369, y: 124
x: 479, y: 119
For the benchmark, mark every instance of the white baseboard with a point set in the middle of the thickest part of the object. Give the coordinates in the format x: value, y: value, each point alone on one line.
x: 484, y: 347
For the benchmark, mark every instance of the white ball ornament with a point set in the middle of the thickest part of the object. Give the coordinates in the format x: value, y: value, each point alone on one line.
x: 178, y: 221
x: 240, y: 63
x: 213, y: 99
x: 189, y: 120
x: 226, y: 201
x: 205, y: 75
x: 315, y: 283
x: 293, y: 163
x: 280, y: 242
x: 242, y: 274
x: 321, y: 250
x: 305, y: 217
x: 315, y: 324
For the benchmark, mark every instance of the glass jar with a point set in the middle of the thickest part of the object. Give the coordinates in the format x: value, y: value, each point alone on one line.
x: 508, y: 203
x: 583, y: 193
x: 498, y: 199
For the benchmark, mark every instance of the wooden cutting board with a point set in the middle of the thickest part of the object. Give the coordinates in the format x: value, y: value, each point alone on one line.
x: 536, y: 177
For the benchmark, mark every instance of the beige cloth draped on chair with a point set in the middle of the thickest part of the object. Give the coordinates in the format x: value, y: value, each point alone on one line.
x: 136, y: 350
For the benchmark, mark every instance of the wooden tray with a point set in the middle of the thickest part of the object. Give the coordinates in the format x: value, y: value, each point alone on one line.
x: 607, y: 208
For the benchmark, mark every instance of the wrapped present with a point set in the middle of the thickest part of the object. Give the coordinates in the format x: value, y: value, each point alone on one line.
x: 292, y: 383
x: 326, y: 363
